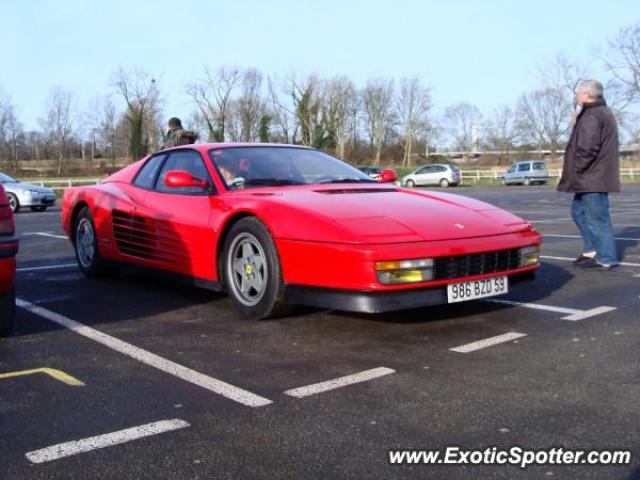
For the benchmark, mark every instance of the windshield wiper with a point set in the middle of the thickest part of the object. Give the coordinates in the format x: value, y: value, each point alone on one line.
x: 271, y: 181
x: 348, y: 180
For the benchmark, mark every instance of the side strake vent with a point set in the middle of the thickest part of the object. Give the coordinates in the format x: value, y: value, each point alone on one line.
x: 146, y: 238
x: 356, y: 190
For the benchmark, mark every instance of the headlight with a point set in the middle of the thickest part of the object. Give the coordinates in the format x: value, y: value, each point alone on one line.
x: 30, y: 192
x: 404, y: 271
x: 529, y: 256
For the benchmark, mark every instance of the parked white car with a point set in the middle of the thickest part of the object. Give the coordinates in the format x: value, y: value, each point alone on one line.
x: 436, y: 174
x: 527, y: 173
x: 26, y: 195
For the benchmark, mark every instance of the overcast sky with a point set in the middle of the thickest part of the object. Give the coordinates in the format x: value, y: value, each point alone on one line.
x: 484, y: 52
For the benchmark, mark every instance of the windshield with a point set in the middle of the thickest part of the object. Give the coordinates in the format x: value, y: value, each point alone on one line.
x: 7, y: 179
x: 246, y: 167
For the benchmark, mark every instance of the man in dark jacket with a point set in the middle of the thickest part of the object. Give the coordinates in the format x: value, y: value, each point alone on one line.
x: 176, y: 135
x: 171, y: 138
x: 591, y: 171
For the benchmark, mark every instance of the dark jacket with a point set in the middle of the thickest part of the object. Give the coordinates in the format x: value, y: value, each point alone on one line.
x: 591, y: 160
x: 179, y: 136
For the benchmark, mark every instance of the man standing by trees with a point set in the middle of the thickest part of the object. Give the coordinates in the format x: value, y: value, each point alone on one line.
x: 178, y: 135
x: 591, y: 171
x: 175, y: 127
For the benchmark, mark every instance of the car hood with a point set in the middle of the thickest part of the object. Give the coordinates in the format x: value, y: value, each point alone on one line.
x: 21, y: 186
x: 382, y: 215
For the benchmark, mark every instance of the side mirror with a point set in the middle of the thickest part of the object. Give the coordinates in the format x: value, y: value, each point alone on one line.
x: 182, y: 179
x: 388, y: 175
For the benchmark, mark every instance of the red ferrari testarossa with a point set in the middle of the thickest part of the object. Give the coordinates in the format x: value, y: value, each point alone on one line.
x: 280, y: 225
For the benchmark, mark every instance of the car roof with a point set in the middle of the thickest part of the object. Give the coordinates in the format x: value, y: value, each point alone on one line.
x: 205, y: 147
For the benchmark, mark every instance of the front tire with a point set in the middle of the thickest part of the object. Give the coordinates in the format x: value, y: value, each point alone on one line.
x: 14, y: 204
x: 252, y: 272
x: 410, y: 184
x: 444, y: 183
x: 526, y: 182
x: 7, y: 309
x: 85, y: 243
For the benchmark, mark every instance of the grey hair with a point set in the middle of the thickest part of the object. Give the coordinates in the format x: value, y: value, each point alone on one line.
x: 593, y: 88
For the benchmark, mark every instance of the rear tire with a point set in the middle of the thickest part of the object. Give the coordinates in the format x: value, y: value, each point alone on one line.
x: 444, y: 183
x: 526, y: 182
x: 252, y: 272
x: 7, y: 309
x: 503, y: 182
x: 38, y: 209
x: 14, y: 204
x: 410, y: 184
x: 85, y: 243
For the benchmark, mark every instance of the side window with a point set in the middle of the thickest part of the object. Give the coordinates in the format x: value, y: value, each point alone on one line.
x: 422, y: 170
x: 539, y: 166
x: 525, y: 167
x: 442, y: 168
x: 187, y: 161
x: 146, y: 177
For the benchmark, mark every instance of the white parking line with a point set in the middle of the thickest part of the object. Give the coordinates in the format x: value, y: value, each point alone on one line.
x: 45, y: 234
x: 47, y: 267
x: 572, y: 314
x: 188, y: 375
x: 67, y: 449
x: 365, y: 376
x: 567, y: 259
x: 578, y: 236
x: 487, y: 342
x: 564, y: 219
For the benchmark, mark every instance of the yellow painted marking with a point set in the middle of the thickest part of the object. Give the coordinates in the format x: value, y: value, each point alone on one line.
x: 52, y: 372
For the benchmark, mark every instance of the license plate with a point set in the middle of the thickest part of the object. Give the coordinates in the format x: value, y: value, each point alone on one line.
x: 461, y: 292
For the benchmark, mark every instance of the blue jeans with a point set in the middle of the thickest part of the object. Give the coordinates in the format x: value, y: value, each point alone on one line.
x: 590, y: 212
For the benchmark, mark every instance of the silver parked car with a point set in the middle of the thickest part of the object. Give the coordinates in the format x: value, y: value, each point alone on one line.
x: 27, y: 195
x: 436, y: 174
x: 527, y: 173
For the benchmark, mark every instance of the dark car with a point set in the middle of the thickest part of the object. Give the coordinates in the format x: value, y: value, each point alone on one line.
x: 8, y: 251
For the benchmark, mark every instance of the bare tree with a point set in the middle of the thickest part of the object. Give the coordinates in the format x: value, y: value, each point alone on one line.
x: 250, y: 106
x: 103, y: 120
x: 377, y: 101
x: 461, y: 122
x: 413, y: 106
x: 10, y: 130
x: 282, y: 115
x: 545, y: 117
x: 140, y: 93
x: 503, y: 130
x: 339, y: 97
x: 623, y: 60
x: 57, y: 122
x: 212, y: 95
x: 307, y: 106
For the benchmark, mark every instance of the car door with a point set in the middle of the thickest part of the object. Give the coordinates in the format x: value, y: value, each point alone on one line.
x: 432, y: 176
x: 524, y: 171
x: 185, y: 240
x: 418, y: 176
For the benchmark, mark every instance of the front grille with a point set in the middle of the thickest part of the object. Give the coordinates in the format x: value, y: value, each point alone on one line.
x: 475, y: 264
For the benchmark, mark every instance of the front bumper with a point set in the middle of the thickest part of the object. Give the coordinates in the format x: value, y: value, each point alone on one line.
x: 380, y: 301
x: 44, y: 200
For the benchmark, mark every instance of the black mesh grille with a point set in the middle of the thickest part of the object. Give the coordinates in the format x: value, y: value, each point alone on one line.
x: 475, y: 264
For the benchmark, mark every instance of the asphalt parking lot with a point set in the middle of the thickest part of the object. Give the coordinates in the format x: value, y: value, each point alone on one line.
x: 197, y: 392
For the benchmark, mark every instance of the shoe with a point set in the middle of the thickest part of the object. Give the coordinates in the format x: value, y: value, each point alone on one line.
x: 583, y: 260
x: 603, y: 267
